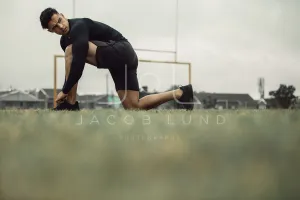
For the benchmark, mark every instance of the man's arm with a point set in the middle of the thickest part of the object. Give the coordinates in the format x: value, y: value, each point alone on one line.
x: 80, y: 38
x: 63, y: 47
x: 63, y: 43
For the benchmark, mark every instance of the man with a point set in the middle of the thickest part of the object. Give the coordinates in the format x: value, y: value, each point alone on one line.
x: 87, y: 41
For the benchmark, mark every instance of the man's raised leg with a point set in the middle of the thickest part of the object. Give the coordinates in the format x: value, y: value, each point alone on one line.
x: 130, y: 99
x: 154, y: 100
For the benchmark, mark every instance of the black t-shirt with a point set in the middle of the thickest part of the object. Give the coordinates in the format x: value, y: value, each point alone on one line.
x: 83, y: 30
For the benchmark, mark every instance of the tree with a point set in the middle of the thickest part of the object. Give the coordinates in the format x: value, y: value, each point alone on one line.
x: 284, y: 96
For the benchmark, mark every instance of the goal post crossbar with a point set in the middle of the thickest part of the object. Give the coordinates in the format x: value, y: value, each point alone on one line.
x: 140, y: 60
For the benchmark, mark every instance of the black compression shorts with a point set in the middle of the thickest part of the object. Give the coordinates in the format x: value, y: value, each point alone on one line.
x: 121, y: 60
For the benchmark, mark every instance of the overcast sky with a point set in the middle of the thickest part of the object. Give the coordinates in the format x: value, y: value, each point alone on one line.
x: 230, y: 43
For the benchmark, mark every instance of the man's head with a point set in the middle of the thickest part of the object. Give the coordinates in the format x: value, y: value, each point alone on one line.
x: 55, y: 22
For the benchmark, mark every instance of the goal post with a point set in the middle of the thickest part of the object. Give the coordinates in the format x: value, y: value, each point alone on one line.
x: 56, y: 57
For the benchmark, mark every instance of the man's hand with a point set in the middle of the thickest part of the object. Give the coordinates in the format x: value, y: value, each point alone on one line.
x: 60, y: 97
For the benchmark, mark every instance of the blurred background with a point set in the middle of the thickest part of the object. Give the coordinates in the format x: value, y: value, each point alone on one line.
x: 242, y: 53
x: 230, y: 44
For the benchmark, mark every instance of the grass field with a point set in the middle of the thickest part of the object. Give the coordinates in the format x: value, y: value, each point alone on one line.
x: 153, y: 155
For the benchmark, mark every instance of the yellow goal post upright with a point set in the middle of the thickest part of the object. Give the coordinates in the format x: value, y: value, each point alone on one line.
x: 188, y: 64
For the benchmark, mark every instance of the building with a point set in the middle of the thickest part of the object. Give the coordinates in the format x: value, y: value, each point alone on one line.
x: 261, y: 104
x: 17, y: 99
x: 226, y: 100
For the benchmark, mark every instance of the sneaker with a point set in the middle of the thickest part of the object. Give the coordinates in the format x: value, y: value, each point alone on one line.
x: 66, y: 106
x: 187, y: 97
x: 76, y: 106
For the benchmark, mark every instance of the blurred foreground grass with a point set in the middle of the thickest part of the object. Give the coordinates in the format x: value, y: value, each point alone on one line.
x: 155, y: 155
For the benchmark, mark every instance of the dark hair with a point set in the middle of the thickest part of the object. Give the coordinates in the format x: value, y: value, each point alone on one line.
x: 46, y: 15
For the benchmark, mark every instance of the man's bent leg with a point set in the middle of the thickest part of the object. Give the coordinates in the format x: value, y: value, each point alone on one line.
x: 128, y: 91
x: 127, y: 85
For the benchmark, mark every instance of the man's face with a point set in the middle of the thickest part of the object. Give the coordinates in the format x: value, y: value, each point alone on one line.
x: 58, y: 24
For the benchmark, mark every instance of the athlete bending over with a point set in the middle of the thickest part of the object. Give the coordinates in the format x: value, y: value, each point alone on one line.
x: 87, y: 41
